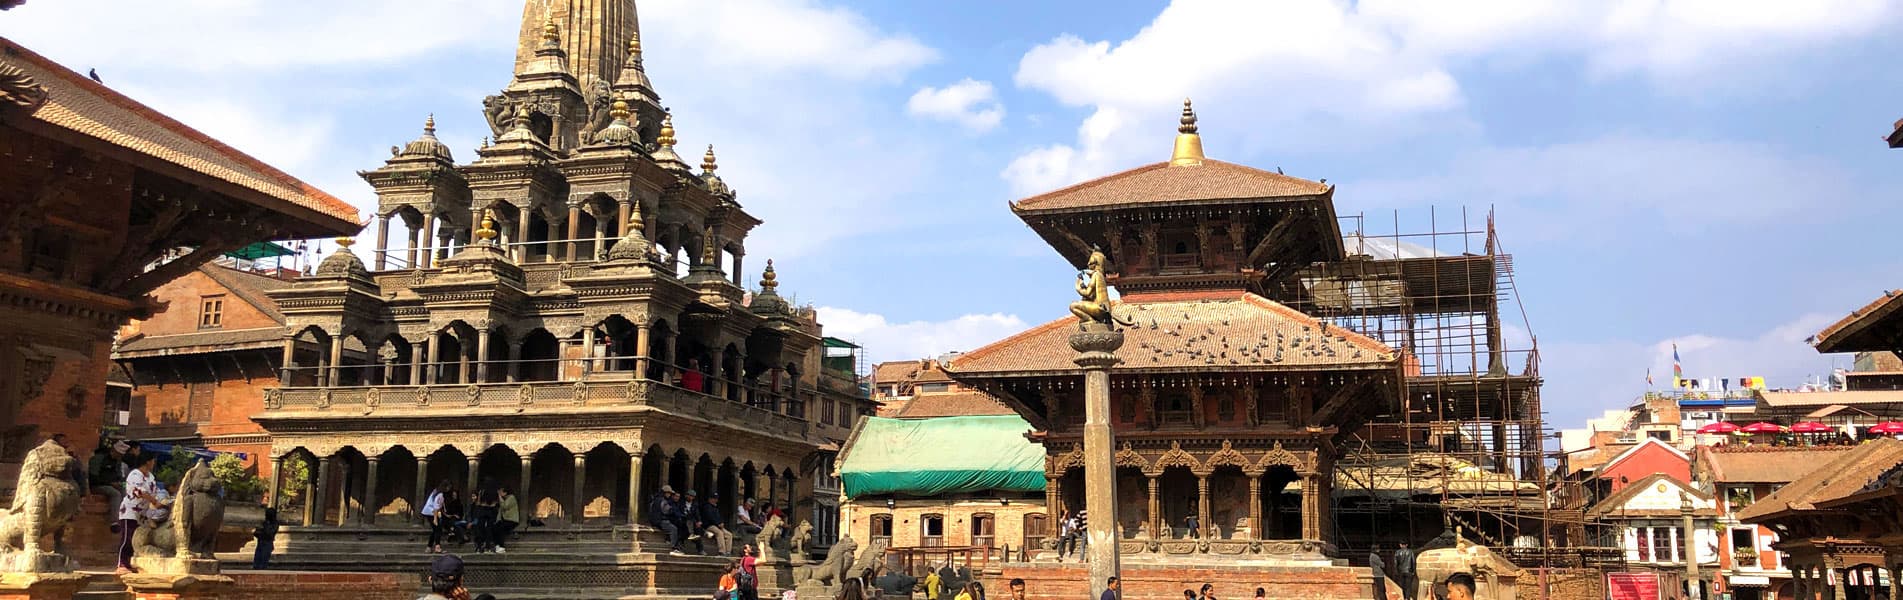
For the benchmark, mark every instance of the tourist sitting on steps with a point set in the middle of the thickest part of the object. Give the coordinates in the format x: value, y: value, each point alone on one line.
x: 508, y: 517
x: 446, y: 579
x: 485, y: 513
x: 743, y: 522
x: 664, y: 513
x: 709, y: 517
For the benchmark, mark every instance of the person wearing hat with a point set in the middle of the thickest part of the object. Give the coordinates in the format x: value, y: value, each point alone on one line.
x: 107, y: 474
x: 664, y: 513
x: 446, y: 579
x: 713, y: 526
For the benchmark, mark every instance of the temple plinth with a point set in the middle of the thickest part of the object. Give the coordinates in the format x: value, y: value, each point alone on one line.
x: 1096, y: 347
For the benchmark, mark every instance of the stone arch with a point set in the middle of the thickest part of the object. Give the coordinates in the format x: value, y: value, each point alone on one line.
x: 605, y: 483
x: 1279, y: 456
x: 540, y: 356
x: 311, y: 349
x: 1125, y: 457
x: 749, y: 482
x: 457, y: 343
x: 1228, y: 456
x: 551, y: 489
x: 1176, y: 457
x: 680, y: 471
x: 395, y: 487
x: 343, y: 502
x: 448, y: 464
x: 501, y: 464
x: 703, y: 482
x: 291, y: 498
x: 654, y: 466
x: 727, y: 486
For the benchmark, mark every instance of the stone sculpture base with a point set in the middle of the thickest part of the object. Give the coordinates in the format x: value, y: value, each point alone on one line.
x: 774, y: 575
x: 34, y: 562
x: 813, y: 590
x: 161, y: 586
x: 40, y: 586
x: 166, y: 565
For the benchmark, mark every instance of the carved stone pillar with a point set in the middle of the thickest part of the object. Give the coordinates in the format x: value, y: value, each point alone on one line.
x: 588, y: 350
x: 288, y: 371
x: 1052, y: 498
x: 634, y: 488
x: 482, y: 355
x: 1255, y: 505
x: 553, y: 245
x: 1202, y: 504
x: 416, y: 242
x: 422, y: 489
x: 574, y: 232
x: 417, y: 360
x: 641, y: 333
x: 277, y: 481
x: 469, y: 487
x: 581, y: 494
x: 314, y: 506
x: 1156, y: 505
x: 464, y: 370
x: 515, y: 361
x: 719, y: 377
x: 737, y: 260
x: 520, y: 251
x: 370, y: 490
x: 334, y: 375
x: 435, y: 357
x: 1311, y: 500
x: 427, y: 256
x: 522, y: 493
x: 383, y: 241
x: 602, y: 227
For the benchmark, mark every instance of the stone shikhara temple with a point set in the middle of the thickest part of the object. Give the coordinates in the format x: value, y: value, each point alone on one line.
x: 565, y: 318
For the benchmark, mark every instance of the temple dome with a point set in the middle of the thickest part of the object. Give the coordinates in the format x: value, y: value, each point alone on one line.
x: 342, y: 263
x: 428, y: 145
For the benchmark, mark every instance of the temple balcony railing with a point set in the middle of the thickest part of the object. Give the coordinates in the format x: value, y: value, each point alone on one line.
x: 524, y: 384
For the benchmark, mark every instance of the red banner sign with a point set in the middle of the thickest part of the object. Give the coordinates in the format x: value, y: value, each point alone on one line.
x: 1632, y: 586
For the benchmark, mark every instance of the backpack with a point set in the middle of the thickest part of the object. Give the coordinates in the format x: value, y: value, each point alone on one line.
x: 743, y: 581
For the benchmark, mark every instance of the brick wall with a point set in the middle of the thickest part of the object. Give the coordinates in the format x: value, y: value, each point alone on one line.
x: 1565, y: 584
x: 183, y: 304
x: 1167, y: 582
x: 908, y: 517
x: 276, y: 585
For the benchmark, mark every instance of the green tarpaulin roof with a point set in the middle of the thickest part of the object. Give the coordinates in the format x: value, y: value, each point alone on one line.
x: 260, y: 250
x: 945, y: 455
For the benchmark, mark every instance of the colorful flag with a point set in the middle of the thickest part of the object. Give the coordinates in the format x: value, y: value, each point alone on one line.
x: 1678, y: 372
x: 1648, y: 376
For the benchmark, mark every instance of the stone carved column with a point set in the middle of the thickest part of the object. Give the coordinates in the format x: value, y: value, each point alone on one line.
x: 277, y: 481
x: 288, y: 372
x: 482, y: 354
x: 588, y: 350
x: 464, y: 370
x: 428, y: 235
x: 370, y: 490
x: 1255, y: 505
x: 334, y: 375
x: 1096, y: 345
x: 1051, y: 495
x: 1156, y: 505
x: 641, y: 341
x: 1311, y: 499
x: 422, y: 489
x: 520, y: 251
x: 416, y: 363
x: 522, y: 493
x: 574, y: 232
x: 515, y: 361
x: 416, y: 241
x: 1202, y: 505
x: 581, y: 493
x: 634, y: 488
x: 343, y: 493
x: 469, y: 487
x: 383, y: 241
x: 435, y: 356
x: 553, y: 245
x: 314, y: 506
x: 719, y: 377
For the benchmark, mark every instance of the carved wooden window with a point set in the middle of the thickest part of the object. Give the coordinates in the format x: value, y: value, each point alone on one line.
x: 1036, y: 528
x: 882, y: 528
x: 198, y: 404
x: 984, y: 530
x: 931, y: 530
x: 49, y: 253
x: 845, y: 413
x: 1226, y: 408
x: 826, y: 411
x: 211, y: 312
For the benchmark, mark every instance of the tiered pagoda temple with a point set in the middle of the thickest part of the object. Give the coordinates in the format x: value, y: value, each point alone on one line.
x: 567, y: 319
x: 1228, y: 406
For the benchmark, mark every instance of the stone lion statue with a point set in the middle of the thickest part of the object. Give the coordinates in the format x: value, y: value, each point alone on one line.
x: 154, y: 538
x: 801, y: 536
x: 198, y: 512
x: 768, y: 541
x: 870, y: 560
x: 43, y: 500
x: 833, y: 569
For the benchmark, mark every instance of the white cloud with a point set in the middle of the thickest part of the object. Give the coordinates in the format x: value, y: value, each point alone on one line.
x: 782, y: 35
x: 886, y: 340
x: 973, y: 104
x: 1584, y: 378
x: 1372, y: 66
x: 1573, y: 189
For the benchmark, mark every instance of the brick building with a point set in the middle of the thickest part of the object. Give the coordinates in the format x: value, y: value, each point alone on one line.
x: 199, y: 368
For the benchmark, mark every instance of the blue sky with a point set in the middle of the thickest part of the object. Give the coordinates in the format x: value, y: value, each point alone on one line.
x: 1705, y: 173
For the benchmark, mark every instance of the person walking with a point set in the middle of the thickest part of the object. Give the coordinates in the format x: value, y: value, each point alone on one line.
x: 1065, y: 535
x: 931, y: 584
x: 266, y: 535
x: 1208, y: 592
x: 142, y: 491
x: 1404, y: 571
x: 446, y: 579
x: 1016, y: 587
x: 508, y: 517
x: 729, y: 586
x: 1110, y: 589
x: 1380, y: 573
x: 433, y: 512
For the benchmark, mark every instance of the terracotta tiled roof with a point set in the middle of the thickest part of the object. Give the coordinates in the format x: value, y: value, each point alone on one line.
x: 202, y: 341
x: 891, y: 407
x: 1841, y: 477
x: 1161, y: 183
x: 1614, y: 504
x: 953, y: 404
x: 1765, y: 465
x: 894, y: 371
x: 1242, y: 332
x: 1832, y: 337
x: 83, y: 106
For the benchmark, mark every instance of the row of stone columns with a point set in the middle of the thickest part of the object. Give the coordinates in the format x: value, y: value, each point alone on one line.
x: 1828, y: 581
x: 1314, y: 502
x: 560, y: 247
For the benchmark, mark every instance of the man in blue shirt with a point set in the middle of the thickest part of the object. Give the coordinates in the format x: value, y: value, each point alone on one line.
x: 1110, y: 589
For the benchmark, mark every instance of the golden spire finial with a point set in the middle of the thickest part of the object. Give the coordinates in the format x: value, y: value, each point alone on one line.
x: 551, y: 34
x: 636, y: 224
x: 429, y: 124
x: 344, y: 242
x: 707, y: 162
x: 634, y: 45
x: 769, y: 280
x: 666, y: 138
x: 1189, y: 145
x: 487, y: 230
x: 620, y: 110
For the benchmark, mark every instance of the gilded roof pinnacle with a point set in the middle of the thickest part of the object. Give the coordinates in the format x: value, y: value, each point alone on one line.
x: 344, y: 243
x: 768, y: 280
x: 635, y: 222
x: 620, y: 110
x: 707, y: 162
x: 487, y: 231
x: 1189, y: 145
x: 429, y: 124
x: 666, y: 138
x: 551, y: 35
x: 634, y: 46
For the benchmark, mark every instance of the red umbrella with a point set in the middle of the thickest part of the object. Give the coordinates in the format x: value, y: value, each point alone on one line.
x: 1810, y: 427
x: 1763, y: 427
x: 1887, y: 428
x: 1724, y: 427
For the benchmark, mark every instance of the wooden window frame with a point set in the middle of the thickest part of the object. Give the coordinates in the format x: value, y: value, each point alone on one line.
x: 925, y: 538
x: 978, y: 537
x: 211, y: 311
